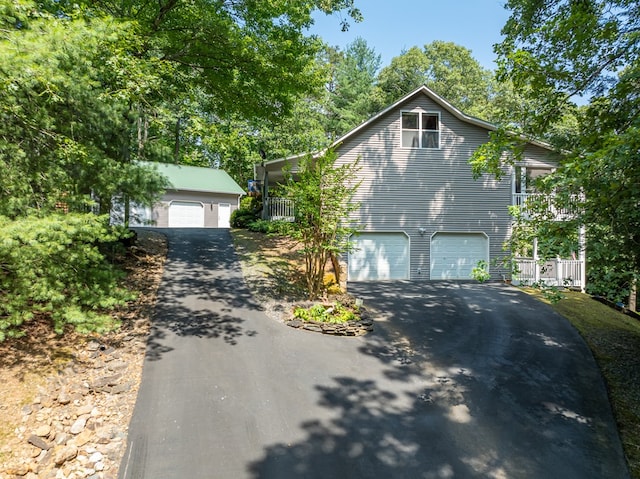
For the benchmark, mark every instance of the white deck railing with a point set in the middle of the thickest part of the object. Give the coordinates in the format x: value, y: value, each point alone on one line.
x: 558, y: 272
x: 521, y: 200
x: 279, y: 209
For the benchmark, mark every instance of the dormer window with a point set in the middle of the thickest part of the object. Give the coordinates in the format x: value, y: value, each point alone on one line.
x: 420, y: 130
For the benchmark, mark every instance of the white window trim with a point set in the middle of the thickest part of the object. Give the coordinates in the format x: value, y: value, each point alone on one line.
x: 420, y: 129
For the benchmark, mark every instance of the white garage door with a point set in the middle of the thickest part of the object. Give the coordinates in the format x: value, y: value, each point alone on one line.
x: 379, y: 256
x: 186, y: 214
x: 454, y: 255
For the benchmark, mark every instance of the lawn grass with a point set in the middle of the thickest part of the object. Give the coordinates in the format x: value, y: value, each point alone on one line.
x: 614, y: 339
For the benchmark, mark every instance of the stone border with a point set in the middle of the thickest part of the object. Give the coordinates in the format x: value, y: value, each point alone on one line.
x: 350, y: 328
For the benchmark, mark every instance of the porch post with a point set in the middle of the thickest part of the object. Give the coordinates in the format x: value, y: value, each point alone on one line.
x: 559, y: 272
x: 265, y: 196
x: 536, y: 273
x: 582, y: 255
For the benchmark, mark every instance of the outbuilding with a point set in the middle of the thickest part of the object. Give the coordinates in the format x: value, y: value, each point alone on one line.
x: 197, y: 198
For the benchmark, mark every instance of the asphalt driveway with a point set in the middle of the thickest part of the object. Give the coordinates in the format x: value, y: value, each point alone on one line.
x: 457, y: 381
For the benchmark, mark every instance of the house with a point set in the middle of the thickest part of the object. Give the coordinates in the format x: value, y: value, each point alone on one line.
x: 422, y: 214
x: 197, y: 198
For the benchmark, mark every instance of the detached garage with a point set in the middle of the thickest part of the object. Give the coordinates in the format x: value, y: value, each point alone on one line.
x: 454, y: 255
x: 197, y: 198
x: 379, y: 256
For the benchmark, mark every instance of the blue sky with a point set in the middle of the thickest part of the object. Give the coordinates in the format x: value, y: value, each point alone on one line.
x: 391, y: 26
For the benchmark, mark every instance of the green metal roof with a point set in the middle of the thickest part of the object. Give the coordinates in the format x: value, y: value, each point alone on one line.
x: 195, y: 178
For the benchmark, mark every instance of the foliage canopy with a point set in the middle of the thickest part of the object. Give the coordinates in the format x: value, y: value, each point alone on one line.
x: 554, y: 52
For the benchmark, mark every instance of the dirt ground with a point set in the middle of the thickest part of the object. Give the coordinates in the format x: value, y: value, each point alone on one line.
x: 41, y: 357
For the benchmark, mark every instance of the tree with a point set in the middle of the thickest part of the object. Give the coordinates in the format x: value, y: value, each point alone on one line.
x: 251, y: 58
x: 91, y: 87
x: 448, y: 69
x: 88, y: 88
x: 323, y: 193
x: 555, y: 52
x: 351, y: 95
x: 65, y: 105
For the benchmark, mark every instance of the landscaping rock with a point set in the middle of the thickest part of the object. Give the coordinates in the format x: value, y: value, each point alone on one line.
x: 64, y: 454
x: 38, y: 442
x: 79, y: 425
x: 350, y: 328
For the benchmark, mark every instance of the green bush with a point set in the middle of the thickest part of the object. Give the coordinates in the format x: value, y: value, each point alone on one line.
x: 53, y: 266
x: 241, y: 218
x: 260, y: 226
x: 480, y: 272
x: 269, y: 227
x: 336, y: 313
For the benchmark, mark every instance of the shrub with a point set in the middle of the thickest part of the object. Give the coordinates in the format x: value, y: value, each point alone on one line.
x: 337, y: 313
x: 331, y: 286
x: 53, y: 266
x: 259, y: 226
x: 269, y: 227
x: 480, y: 272
x: 241, y: 218
x: 249, y: 211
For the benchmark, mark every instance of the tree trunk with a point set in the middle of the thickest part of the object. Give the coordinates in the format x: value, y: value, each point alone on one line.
x: 143, y: 133
x: 633, y: 297
x: 176, y: 144
x: 126, y: 205
x: 336, y: 267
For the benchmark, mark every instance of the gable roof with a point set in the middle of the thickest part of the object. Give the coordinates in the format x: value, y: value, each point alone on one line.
x: 433, y: 96
x: 423, y: 90
x: 196, y: 178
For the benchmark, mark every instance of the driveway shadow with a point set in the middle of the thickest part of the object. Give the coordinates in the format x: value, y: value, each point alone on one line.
x: 474, y: 381
x: 202, y: 293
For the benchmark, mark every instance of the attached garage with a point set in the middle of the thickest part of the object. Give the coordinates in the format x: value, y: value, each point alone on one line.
x: 379, y: 256
x: 454, y: 255
x: 186, y: 214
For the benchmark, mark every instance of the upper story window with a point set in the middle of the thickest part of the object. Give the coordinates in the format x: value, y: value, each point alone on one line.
x: 420, y: 130
x: 525, y: 179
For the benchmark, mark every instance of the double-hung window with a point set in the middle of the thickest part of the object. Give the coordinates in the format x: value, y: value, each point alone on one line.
x: 420, y: 130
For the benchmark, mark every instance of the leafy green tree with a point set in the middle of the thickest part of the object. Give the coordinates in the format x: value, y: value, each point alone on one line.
x: 553, y: 53
x: 448, y: 69
x: 251, y: 58
x: 88, y: 88
x: 66, y: 125
x: 323, y: 193
x: 351, y: 94
x: 405, y: 73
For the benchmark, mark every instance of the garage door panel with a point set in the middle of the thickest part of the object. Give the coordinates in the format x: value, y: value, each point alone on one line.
x: 454, y: 255
x: 186, y: 214
x: 379, y: 256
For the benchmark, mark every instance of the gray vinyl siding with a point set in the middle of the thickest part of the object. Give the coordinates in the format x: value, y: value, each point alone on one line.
x: 405, y: 189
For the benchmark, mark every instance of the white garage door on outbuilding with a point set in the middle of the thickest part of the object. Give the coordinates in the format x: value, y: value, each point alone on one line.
x: 454, y: 255
x: 379, y: 256
x: 186, y: 214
